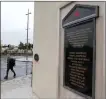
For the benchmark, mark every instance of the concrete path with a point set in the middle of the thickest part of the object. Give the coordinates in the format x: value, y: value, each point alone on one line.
x: 18, y: 88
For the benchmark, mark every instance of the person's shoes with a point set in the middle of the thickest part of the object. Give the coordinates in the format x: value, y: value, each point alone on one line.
x: 5, y: 77
x: 14, y: 75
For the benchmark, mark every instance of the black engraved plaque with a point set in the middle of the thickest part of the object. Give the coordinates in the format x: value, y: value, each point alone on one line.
x: 80, y: 49
x: 78, y: 69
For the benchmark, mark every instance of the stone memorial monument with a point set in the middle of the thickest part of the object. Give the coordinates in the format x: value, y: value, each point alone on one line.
x: 70, y: 40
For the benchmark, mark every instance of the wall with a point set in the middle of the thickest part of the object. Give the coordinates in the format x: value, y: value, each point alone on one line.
x: 46, y: 44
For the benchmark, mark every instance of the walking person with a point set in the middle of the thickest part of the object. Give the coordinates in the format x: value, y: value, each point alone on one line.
x: 10, y: 65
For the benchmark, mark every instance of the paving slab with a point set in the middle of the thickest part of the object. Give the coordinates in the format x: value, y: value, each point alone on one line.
x: 18, y: 88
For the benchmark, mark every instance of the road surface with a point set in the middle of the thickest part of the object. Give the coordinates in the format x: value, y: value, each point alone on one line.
x: 20, y: 67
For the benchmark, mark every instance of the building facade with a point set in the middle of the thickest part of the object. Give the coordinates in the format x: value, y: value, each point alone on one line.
x: 49, y: 42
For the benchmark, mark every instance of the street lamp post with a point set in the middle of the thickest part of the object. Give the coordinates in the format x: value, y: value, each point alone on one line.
x: 27, y: 39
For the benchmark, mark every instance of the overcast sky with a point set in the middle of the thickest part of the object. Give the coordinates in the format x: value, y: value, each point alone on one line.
x: 14, y: 22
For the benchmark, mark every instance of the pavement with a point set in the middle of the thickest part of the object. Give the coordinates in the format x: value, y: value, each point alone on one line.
x: 18, y: 88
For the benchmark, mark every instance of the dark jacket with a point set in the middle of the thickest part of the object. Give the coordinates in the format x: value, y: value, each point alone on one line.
x: 10, y: 62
